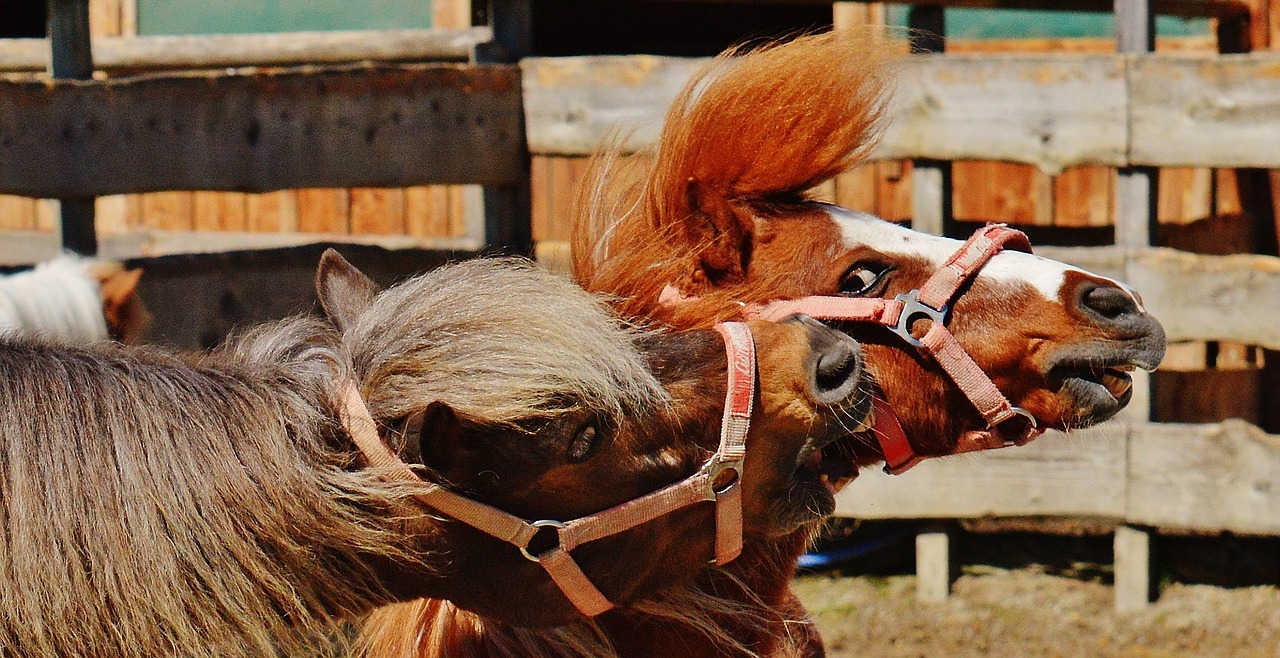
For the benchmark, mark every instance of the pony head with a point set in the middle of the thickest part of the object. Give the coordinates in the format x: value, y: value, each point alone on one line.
x: 519, y: 390
x: 722, y: 215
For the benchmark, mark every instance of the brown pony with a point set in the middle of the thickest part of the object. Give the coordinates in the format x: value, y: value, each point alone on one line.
x: 720, y: 216
x: 214, y: 505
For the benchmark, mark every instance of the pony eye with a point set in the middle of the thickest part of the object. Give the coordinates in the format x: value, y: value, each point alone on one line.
x: 861, y: 281
x: 583, y: 441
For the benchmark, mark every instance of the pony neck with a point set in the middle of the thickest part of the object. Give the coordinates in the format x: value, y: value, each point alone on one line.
x: 203, y: 504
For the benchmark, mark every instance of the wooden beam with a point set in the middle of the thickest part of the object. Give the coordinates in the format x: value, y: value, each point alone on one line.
x: 1187, y: 8
x: 1206, y: 111
x: 149, y: 53
x: 374, y: 126
x: 1201, y: 478
x: 1055, y: 111
x: 70, y: 58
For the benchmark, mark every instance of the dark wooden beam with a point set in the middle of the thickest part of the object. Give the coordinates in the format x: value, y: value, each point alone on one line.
x: 257, y: 131
x: 71, y: 58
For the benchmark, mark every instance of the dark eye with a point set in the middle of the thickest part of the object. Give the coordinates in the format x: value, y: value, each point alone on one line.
x: 583, y: 441
x: 862, y: 280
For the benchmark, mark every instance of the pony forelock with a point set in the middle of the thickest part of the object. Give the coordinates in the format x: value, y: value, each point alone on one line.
x: 500, y: 339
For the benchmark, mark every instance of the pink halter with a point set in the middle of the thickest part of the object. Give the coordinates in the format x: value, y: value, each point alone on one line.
x: 557, y: 561
x: 930, y: 302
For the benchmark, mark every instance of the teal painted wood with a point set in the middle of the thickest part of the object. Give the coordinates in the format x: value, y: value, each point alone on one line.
x: 971, y: 24
x: 244, y: 16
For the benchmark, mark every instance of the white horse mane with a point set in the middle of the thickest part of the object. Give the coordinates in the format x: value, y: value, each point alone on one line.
x: 59, y: 299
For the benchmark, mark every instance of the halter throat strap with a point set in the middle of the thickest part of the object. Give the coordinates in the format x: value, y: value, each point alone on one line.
x: 709, y: 483
x: 931, y: 302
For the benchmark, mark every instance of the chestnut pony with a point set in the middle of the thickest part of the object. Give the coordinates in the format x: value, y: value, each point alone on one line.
x: 155, y: 504
x: 720, y: 217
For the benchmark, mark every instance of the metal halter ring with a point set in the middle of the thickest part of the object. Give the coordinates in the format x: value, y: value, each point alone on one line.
x: 714, y: 468
x: 913, y: 308
x: 545, y: 523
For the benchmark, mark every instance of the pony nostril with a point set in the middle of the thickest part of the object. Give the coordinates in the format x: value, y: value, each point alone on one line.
x: 1110, y: 302
x: 837, y: 369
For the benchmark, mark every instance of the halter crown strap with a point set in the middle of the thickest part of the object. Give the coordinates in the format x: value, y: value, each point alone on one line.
x: 557, y: 561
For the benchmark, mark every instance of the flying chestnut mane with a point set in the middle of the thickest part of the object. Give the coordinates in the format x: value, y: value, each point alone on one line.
x: 154, y: 504
x: 724, y: 155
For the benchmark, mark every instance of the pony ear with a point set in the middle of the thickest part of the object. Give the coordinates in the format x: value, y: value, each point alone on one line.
x: 722, y: 232
x: 127, y: 317
x: 344, y: 291
x: 441, y: 433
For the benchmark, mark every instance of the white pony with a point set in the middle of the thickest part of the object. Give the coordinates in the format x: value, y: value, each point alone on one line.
x: 72, y: 299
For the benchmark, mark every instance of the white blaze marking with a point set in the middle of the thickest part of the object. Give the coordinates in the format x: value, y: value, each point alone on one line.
x: 1015, y: 267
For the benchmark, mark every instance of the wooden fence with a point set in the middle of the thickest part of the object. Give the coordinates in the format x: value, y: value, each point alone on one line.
x: 1053, y: 112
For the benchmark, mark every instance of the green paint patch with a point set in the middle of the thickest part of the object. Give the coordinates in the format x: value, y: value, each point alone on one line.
x: 251, y: 16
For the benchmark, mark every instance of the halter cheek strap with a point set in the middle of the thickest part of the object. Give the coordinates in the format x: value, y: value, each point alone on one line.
x: 930, y: 302
x: 557, y: 561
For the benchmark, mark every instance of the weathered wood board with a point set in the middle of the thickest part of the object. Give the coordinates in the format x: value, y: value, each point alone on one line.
x: 256, y: 130
x: 197, y: 299
x: 572, y: 104
x: 1222, y: 111
x: 1208, y: 478
x: 1080, y: 474
x: 1204, y: 477
x: 1052, y: 111
x: 1232, y: 298
x: 285, y: 49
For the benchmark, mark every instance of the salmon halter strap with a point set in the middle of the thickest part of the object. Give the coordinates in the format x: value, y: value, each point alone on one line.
x: 930, y: 302
x: 702, y: 486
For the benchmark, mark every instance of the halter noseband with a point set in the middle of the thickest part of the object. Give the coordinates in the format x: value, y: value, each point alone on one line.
x: 557, y: 561
x: 930, y: 302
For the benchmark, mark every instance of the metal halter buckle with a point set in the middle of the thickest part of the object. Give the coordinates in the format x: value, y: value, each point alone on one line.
x: 545, y: 523
x: 713, y: 468
x: 913, y: 308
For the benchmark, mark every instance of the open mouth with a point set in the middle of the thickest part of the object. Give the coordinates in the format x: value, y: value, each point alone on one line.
x: 833, y: 464
x: 1097, y: 391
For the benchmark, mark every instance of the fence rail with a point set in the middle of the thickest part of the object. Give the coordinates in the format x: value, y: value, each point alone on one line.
x: 149, y: 53
x: 1054, y: 111
x: 1209, y: 478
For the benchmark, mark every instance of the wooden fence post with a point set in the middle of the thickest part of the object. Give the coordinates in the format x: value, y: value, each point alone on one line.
x: 71, y: 58
x: 935, y: 567
x: 508, y: 209
x: 930, y: 179
x: 1136, y: 223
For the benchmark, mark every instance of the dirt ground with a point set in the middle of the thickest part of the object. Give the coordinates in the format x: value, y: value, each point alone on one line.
x: 1056, y: 601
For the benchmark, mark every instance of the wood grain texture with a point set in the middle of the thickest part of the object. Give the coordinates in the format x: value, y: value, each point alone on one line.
x: 1210, y: 478
x: 386, y: 126
x: 1206, y: 111
x: 169, y: 52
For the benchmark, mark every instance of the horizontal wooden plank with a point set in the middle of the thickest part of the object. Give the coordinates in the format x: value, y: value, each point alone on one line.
x: 1221, y: 111
x: 1204, y: 478
x: 282, y: 49
x: 1198, y: 297
x: 574, y: 103
x: 1186, y: 8
x: 1053, y: 111
x: 26, y: 247
x: 260, y: 130
x: 1080, y: 474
